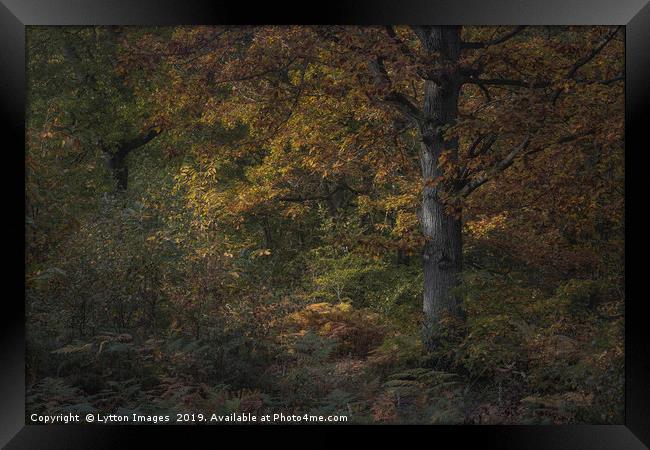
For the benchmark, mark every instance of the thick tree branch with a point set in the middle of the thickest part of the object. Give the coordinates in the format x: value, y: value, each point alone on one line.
x: 405, y: 105
x: 612, y: 80
x: 300, y: 199
x: 474, y: 149
x: 506, y: 82
x: 125, y: 147
x: 398, y: 99
x: 606, y: 82
x: 563, y: 140
x: 505, y: 37
x: 306, y: 198
x: 506, y: 162
x: 142, y: 139
x: 486, y: 92
x: 483, y: 82
x: 403, y: 48
x: 496, y: 169
x: 473, y: 78
x: 584, y: 60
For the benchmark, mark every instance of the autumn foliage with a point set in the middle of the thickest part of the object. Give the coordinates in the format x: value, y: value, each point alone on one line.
x: 229, y: 219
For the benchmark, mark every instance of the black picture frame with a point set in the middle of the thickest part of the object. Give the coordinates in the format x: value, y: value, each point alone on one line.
x: 16, y: 14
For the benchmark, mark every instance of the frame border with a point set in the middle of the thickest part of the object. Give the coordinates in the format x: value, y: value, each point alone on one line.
x: 16, y: 14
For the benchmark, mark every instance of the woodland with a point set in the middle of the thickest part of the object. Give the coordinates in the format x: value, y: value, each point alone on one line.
x: 399, y: 224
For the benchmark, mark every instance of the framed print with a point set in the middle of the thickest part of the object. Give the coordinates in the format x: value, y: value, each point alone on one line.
x: 381, y: 218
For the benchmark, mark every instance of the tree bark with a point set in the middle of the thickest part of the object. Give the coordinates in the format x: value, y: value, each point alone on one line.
x: 117, y: 163
x: 120, y: 170
x: 442, y: 253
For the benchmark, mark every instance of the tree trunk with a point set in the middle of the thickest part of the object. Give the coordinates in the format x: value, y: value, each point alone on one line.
x: 442, y: 253
x: 120, y: 170
x: 403, y: 257
x: 442, y: 259
x: 117, y: 162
